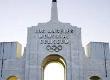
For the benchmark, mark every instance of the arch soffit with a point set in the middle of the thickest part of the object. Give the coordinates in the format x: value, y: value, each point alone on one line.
x: 53, y: 58
x: 12, y: 76
x: 94, y: 76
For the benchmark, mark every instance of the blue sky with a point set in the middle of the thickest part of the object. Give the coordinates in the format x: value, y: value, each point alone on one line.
x: 93, y: 16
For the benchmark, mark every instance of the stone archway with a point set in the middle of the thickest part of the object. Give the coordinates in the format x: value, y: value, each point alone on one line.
x: 95, y: 78
x: 55, y: 60
x: 12, y: 78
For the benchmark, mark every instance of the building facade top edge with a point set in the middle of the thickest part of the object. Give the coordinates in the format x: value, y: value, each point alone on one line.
x: 93, y: 42
x: 48, y: 24
x: 9, y: 42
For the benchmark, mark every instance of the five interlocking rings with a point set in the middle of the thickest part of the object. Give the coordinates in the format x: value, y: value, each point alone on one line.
x: 54, y: 48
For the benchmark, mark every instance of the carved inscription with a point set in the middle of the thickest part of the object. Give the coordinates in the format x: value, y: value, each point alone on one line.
x: 60, y: 31
x: 54, y: 38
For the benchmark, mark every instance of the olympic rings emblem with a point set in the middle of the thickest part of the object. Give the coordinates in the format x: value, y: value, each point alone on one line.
x: 54, y: 48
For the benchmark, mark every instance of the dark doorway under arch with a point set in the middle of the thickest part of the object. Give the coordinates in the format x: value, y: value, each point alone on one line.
x: 95, y: 78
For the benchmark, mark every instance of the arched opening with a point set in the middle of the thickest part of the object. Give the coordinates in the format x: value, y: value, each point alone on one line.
x: 54, y: 71
x: 54, y: 68
x: 12, y: 78
x: 95, y: 78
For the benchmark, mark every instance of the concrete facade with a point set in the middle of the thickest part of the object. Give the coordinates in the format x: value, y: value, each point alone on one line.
x: 11, y: 62
x: 97, y: 62
x: 53, y: 41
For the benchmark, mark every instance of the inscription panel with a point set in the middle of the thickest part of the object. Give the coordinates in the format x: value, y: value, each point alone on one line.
x: 53, y: 39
